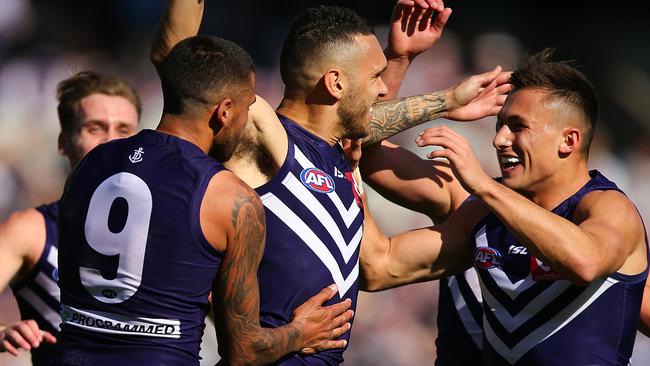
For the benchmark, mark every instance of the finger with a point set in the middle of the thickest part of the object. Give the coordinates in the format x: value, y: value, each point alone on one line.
x: 339, y: 307
x: 425, y: 22
x: 342, y: 319
x: 422, y: 4
x: 325, y: 294
x: 30, y: 332
x: 452, y: 143
x: 413, y: 20
x: 441, y: 20
x: 504, y: 89
x: 434, y: 4
x: 17, y: 340
x: 488, y: 89
x: 501, y: 100
x: 48, y: 337
x: 487, y: 77
x: 337, y: 332
x: 495, y: 110
x: 442, y: 153
x: 355, y: 143
x: 399, y: 8
x: 504, y: 77
x: 9, y: 348
x: 427, y: 137
x: 333, y: 345
x: 35, y: 330
x: 404, y: 14
x: 345, y: 143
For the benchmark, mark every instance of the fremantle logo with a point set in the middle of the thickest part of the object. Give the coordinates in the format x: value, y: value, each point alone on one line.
x: 317, y: 180
x: 486, y: 258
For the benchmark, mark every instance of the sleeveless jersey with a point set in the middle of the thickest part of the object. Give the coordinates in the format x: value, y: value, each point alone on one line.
x: 460, y: 331
x: 314, y: 224
x: 37, y: 294
x: 135, y: 268
x: 534, y: 317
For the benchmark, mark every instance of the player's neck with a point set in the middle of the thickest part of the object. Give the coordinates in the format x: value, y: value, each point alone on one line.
x: 562, y: 185
x: 196, y: 133
x: 319, y: 119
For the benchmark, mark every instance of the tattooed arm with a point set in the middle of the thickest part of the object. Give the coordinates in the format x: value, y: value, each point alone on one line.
x: 232, y: 219
x: 476, y: 97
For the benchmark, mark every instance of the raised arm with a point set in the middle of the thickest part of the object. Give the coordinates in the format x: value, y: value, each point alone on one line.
x: 181, y: 19
x: 476, y: 97
x: 415, y: 26
x: 233, y: 213
x: 264, y: 135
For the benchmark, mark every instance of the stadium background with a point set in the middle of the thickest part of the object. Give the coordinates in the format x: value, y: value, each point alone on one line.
x: 45, y: 41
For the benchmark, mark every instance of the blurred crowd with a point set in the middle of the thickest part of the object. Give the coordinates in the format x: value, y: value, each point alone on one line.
x: 43, y: 42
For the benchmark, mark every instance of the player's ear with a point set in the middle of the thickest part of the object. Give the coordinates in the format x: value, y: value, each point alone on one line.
x: 221, y: 114
x: 571, y: 141
x: 64, y: 141
x: 334, y: 83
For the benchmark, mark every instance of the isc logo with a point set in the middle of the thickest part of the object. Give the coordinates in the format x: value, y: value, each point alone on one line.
x: 486, y: 258
x: 317, y: 180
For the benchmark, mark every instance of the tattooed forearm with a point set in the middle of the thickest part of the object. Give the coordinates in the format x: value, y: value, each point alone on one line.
x: 394, y: 116
x: 236, y: 300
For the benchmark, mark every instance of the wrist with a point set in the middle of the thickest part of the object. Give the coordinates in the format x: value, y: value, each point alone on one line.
x: 449, y: 103
x: 296, y: 335
x: 394, y: 57
x: 486, y: 189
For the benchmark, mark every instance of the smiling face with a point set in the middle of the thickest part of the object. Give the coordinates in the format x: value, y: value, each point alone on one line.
x: 103, y: 118
x: 365, y: 86
x: 530, y: 133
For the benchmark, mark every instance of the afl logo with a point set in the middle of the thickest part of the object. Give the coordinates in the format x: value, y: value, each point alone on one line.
x: 486, y: 258
x: 317, y: 180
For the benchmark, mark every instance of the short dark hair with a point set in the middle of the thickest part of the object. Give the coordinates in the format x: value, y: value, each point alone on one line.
x: 202, y: 70
x: 314, y: 33
x: 72, y: 90
x: 563, y: 81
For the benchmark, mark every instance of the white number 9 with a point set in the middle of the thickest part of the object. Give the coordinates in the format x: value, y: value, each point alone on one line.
x: 130, y: 243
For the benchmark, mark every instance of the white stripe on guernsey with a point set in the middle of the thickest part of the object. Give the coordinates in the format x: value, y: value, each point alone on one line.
x: 500, y: 277
x: 472, y: 280
x: 531, y: 309
x: 51, y: 287
x: 473, y: 329
x: 298, y: 226
x: 53, y: 256
x: 348, y: 215
x: 37, y: 303
x: 575, y: 308
x: 307, y: 198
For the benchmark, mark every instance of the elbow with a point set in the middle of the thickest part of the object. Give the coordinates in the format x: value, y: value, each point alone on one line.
x: 373, y: 276
x: 583, y: 273
x: 369, y: 285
